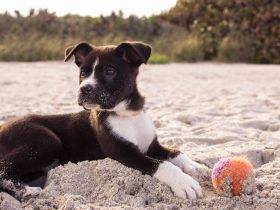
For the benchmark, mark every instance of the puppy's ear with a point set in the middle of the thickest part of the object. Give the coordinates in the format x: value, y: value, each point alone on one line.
x: 134, y: 53
x: 80, y: 51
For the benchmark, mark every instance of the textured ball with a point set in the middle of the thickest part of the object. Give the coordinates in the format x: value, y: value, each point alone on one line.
x: 233, y: 176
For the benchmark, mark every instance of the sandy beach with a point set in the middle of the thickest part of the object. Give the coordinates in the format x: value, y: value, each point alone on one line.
x: 206, y: 110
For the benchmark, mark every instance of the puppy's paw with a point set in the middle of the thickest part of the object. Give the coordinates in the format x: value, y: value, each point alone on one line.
x: 187, y: 187
x: 199, y: 171
x: 183, y: 185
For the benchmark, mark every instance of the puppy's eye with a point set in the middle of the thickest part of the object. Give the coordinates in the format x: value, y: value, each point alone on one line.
x: 110, y: 71
x: 83, y: 73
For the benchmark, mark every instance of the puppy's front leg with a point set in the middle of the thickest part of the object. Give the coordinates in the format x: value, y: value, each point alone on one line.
x: 128, y: 154
x: 179, y: 159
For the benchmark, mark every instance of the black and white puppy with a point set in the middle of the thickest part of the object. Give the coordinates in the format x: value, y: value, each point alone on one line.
x: 113, y: 125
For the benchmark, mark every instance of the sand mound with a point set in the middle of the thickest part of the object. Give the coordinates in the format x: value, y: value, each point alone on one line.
x: 108, y: 184
x: 102, y: 183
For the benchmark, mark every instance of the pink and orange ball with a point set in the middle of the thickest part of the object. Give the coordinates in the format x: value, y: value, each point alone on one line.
x: 233, y: 177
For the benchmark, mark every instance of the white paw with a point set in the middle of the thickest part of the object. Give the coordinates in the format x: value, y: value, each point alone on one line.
x: 191, y: 167
x: 182, y: 184
x: 197, y: 170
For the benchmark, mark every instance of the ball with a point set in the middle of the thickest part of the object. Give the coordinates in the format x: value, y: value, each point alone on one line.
x: 233, y: 177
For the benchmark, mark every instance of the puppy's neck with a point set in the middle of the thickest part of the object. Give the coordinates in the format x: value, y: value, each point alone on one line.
x: 130, y: 107
x: 136, y: 101
x: 126, y: 113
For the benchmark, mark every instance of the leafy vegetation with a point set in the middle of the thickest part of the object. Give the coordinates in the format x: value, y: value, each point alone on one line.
x: 158, y: 59
x: 194, y: 30
x: 44, y: 36
x: 235, y: 30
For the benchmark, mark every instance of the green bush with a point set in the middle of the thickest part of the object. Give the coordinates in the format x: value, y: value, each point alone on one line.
x: 253, y: 23
x: 34, y: 48
x: 159, y: 59
x: 233, y: 50
x: 189, y: 49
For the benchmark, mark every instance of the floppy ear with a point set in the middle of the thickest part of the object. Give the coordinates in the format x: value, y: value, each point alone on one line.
x: 135, y: 52
x: 80, y: 51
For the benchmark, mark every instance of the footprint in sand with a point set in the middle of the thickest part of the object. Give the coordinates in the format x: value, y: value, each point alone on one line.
x: 261, y: 125
x: 190, y: 119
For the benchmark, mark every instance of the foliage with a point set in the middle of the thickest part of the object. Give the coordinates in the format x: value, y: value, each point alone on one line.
x: 254, y: 24
x: 44, y: 36
x: 158, y: 59
x: 194, y: 30
x: 233, y: 50
x: 189, y: 49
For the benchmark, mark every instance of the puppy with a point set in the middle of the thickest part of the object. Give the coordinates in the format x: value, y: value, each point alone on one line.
x: 113, y: 125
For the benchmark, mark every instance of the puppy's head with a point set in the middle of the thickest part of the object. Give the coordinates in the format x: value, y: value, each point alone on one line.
x: 107, y: 73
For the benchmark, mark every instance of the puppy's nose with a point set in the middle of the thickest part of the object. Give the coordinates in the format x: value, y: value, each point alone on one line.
x: 86, y: 90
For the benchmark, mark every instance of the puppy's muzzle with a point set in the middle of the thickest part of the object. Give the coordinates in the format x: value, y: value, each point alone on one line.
x: 86, y: 90
x: 85, y: 93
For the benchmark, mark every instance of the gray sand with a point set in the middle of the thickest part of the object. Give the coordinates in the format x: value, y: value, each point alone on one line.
x: 208, y: 111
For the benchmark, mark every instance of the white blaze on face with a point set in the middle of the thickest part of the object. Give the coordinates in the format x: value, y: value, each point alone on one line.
x: 90, y: 80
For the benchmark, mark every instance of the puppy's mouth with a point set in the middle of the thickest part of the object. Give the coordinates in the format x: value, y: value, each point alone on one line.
x: 88, y: 106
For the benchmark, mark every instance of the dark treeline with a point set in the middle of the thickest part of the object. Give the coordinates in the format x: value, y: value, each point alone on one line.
x: 194, y: 30
x: 232, y: 30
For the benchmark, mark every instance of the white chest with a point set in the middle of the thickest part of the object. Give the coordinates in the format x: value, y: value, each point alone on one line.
x: 138, y: 130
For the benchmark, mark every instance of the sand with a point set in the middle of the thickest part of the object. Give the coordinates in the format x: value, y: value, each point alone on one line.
x: 208, y: 111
